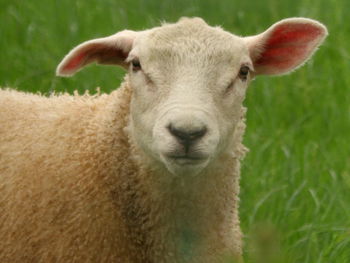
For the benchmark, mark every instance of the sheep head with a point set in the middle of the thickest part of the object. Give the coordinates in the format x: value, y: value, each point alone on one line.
x: 189, y: 81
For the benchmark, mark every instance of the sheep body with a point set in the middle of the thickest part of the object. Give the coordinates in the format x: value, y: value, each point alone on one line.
x: 60, y: 189
x: 81, y: 193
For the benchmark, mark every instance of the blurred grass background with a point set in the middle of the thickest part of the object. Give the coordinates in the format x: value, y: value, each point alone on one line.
x: 295, y: 197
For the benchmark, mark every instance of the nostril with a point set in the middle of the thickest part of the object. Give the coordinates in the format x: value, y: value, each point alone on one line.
x: 198, y: 133
x: 187, y: 135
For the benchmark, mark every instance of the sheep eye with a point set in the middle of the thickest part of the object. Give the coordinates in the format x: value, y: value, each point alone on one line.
x: 136, y: 66
x: 243, y: 73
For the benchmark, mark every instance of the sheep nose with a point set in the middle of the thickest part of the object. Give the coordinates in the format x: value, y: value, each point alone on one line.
x: 185, y: 135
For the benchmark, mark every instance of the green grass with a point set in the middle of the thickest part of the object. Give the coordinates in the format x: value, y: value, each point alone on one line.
x: 295, y: 197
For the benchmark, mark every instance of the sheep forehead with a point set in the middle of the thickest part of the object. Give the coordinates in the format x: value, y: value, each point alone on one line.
x: 191, y: 38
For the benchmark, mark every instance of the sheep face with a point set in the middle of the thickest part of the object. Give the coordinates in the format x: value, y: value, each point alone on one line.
x: 189, y: 81
x: 188, y: 87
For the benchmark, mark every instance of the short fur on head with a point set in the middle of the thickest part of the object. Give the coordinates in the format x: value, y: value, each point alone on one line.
x: 149, y: 173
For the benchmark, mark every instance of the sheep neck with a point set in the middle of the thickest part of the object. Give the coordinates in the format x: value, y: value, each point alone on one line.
x: 186, y: 216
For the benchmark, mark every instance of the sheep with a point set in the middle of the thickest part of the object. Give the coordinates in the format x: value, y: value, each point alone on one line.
x: 150, y: 172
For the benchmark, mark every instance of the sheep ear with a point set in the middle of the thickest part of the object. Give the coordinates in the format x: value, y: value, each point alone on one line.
x: 286, y: 45
x: 112, y: 50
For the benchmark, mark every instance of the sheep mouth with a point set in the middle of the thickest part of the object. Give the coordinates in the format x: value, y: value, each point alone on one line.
x: 180, y: 163
x: 187, y: 158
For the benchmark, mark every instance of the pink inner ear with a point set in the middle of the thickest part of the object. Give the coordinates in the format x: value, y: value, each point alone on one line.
x: 288, y: 45
x: 83, y: 56
x: 94, y: 52
x: 76, y: 62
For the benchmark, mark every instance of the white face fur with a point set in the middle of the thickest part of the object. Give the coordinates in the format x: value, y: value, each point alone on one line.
x: 188, y: 87
x: 189, y: 81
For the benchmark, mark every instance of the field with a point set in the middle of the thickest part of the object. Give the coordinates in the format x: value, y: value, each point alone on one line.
x: 295, y: 186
